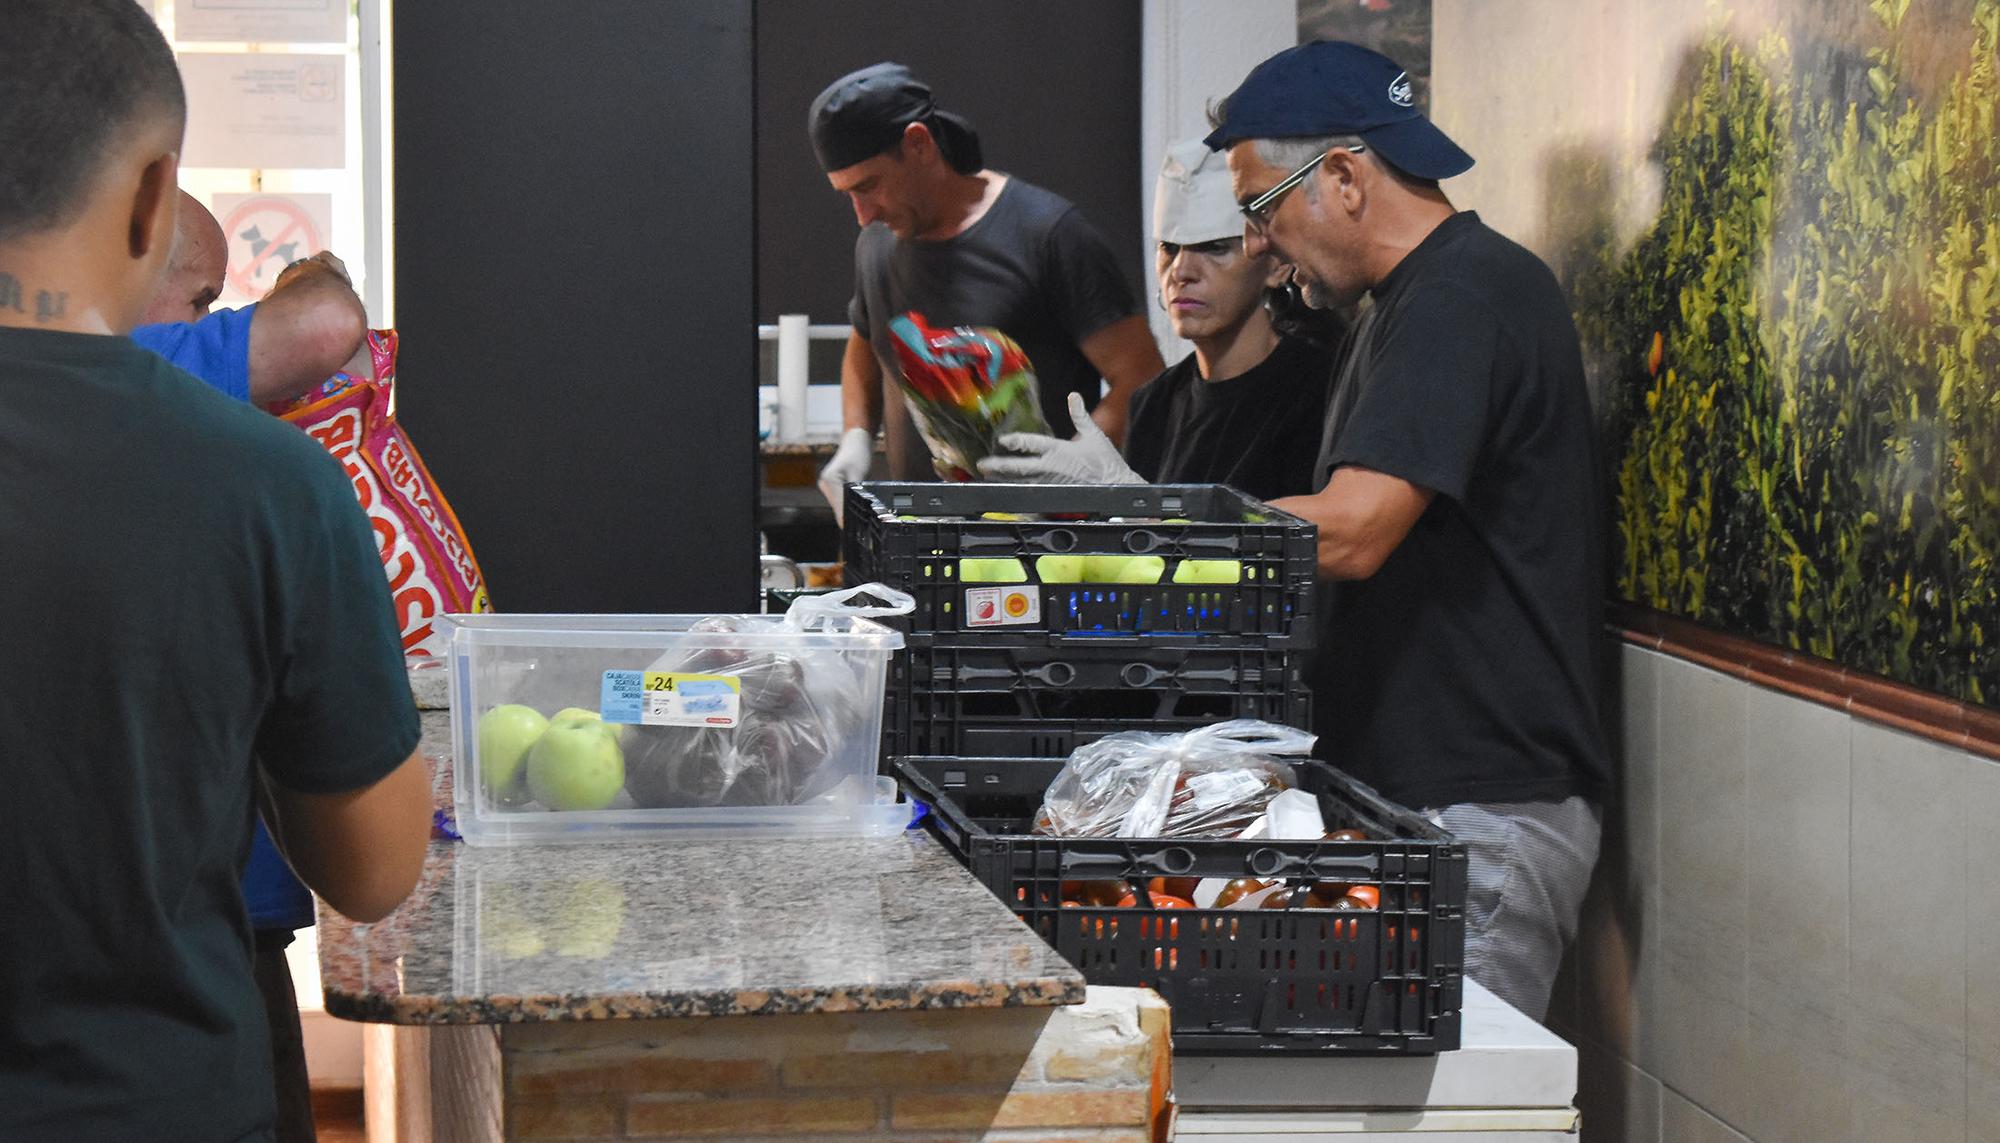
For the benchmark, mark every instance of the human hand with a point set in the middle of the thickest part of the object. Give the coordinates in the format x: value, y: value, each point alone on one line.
x: 850, y: 463
x: 1091, y: 458
x: 324, y: 260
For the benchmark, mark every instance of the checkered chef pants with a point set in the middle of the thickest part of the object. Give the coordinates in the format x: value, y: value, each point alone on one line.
x: 1529, y: 866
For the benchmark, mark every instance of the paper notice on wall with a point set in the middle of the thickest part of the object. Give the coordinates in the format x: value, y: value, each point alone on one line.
x: 265, y: 110
x: 267, y: 21
x: 266, y: 233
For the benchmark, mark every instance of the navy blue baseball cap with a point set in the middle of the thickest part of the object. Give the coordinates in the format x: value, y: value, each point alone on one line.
x: 1328, y: 87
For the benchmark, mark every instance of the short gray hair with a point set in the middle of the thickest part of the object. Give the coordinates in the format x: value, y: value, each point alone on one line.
x: 1291, y: 154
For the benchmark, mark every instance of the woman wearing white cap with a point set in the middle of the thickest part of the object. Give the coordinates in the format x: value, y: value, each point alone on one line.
x: 1246, y: 407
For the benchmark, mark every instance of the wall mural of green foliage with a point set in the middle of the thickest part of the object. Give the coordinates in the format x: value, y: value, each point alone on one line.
x: 1799, y: 361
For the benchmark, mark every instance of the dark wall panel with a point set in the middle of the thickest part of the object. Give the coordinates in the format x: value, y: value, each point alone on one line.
x: 1052, y: 86
x: 575, y: 270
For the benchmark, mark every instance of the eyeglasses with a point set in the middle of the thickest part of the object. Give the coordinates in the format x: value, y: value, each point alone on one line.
x: 1258, y: 210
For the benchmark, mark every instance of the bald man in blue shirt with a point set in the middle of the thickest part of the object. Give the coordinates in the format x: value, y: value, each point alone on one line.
x: 306, y: 329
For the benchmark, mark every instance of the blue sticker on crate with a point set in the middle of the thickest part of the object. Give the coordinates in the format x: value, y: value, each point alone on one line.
x: 662, y: 698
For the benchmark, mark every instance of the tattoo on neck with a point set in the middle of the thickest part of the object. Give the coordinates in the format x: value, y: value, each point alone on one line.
x: 49, y: 304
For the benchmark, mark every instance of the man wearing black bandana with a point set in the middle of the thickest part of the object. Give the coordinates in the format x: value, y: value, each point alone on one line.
x: 964, y: 245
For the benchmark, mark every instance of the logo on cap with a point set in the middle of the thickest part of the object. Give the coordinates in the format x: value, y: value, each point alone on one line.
x: 1399, y: 90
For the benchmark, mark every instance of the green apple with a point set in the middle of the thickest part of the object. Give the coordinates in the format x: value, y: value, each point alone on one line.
x: 1209, y: 571
x: 505, y: 735
x: 992, y: 571
x: 1059, y: 569
x: 579, y: 714
x: 576, y: 765
x: 1124, y: 569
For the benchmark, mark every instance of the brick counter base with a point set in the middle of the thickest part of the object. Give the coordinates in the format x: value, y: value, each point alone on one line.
x: 1097, y: 1071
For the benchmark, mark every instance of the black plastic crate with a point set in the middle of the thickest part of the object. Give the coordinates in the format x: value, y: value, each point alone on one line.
x: 1270, y: 602
x: 1240, y: 981
x: 973, y: 699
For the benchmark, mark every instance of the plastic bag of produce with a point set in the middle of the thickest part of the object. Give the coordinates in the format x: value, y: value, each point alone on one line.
x: 1213, y: 782
x: 796, y: 710
x: 964, y: 387
x: 425, y: 554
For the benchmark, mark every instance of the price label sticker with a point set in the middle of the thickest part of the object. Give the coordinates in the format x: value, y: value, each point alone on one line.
x: 663, y: 698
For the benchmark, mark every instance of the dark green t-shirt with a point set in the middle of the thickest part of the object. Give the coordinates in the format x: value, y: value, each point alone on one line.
x: 187, y: 583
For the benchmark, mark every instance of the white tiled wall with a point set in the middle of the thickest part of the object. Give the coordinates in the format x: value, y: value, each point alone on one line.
x: 1795, y: 935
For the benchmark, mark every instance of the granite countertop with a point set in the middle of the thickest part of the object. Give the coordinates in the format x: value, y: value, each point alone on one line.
x: 698, y: 928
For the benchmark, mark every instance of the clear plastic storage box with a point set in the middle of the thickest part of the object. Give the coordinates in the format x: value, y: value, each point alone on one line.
x: 591, y: 728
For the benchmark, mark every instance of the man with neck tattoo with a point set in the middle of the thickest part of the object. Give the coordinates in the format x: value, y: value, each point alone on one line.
x: 195, y: 600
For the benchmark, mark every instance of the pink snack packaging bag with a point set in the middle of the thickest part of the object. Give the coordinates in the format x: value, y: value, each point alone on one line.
x: 425, y: 554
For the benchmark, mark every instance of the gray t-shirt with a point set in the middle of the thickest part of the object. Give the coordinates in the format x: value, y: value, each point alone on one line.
x: 1032, y: 267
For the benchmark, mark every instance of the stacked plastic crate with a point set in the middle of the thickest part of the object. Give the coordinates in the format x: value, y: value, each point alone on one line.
x: 1049, y: 616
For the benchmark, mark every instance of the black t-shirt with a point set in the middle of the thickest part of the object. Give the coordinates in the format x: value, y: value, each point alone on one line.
x: 1258, y: 431
x: 1032, y: 267
x: 188, y: 583
x: 1465, y: 669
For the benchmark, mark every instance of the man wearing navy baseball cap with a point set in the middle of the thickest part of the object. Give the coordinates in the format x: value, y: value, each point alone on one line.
x: 1459, y: 509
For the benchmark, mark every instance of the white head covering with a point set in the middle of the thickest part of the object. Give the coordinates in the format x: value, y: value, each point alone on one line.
x: 1193, y: 201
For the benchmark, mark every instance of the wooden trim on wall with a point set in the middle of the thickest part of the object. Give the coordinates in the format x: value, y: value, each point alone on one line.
x: 1964, y: 725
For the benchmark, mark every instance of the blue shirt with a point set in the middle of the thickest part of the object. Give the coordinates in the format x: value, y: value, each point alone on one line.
x: 216, y: 349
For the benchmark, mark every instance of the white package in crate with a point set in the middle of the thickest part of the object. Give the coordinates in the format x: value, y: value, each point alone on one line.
x: 587, y: 728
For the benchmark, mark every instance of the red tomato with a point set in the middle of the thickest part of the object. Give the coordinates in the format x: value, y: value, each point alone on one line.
x: 1094, y: 892
x: 1175, y: 886
x: 1324, y: 893
x: 1369, y: 896
x: 1160, y: 901
x: 1283, y: 899
x: 1237, y: 890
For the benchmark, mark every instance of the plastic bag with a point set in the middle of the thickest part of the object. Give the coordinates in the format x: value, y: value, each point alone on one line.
x: 964, y: 387
x: 425, y: 554
x: 798, y: 709
x: 1213, y: 782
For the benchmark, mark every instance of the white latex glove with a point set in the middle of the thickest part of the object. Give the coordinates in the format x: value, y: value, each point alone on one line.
x: 850, y: 463
x: 1089, y: 459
